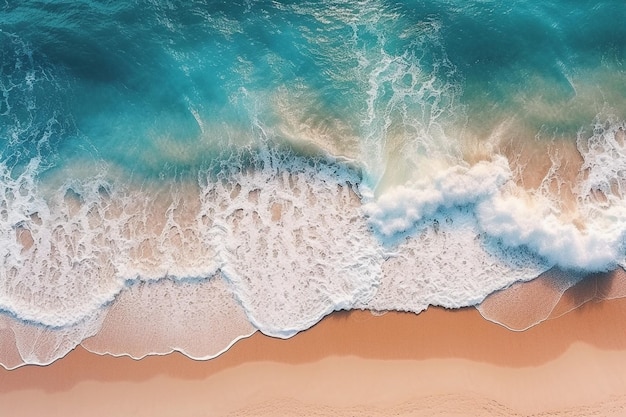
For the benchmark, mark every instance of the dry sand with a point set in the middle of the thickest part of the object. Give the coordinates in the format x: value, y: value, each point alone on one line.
x: 448, y: 363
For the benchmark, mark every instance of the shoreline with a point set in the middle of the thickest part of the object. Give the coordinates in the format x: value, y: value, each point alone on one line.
x: 440, y: 360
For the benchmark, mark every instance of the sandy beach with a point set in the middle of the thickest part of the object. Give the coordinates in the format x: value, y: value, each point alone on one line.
x: 440, y: 362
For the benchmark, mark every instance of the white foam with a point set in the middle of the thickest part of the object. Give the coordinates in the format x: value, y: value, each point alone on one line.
x: 449, y: 262
x: 401, y: 207
x: 49, y: 269
x: 297, y: 248
x: 411, y: 98
x: 524, y: 219
x: 288, y: 235
x: 293, y: 241
x: 518, y: 223
x: 597, y: 244
x: 285, y: 238
x: 67, y: 255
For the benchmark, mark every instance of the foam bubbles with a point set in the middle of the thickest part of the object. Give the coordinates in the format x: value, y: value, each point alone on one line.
x: 52, y: 271
x: 399, y: 208
x: 238, y: 211
x: 518, y: 218
x: 297, y: 247
x: 70, y: 253
x: 292, y: 239
x: 450, y: 263
x: 595, y: 242
x: 518, y: 223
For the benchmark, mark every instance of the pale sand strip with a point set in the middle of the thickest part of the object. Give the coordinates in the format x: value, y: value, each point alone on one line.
x: 437, y: 363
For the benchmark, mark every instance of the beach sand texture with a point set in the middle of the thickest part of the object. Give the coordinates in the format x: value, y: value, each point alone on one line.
x: 175, y: 176
x: 440, y: 362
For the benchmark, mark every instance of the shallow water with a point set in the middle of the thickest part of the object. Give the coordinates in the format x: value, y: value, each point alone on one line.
x: 263, y: 164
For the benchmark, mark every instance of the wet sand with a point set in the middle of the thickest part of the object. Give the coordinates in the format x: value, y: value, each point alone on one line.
x: 440, y: 362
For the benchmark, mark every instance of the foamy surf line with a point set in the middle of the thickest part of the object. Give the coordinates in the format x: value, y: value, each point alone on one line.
x: 440, y: 352
x: 225, y: 173
x: 276, y: 210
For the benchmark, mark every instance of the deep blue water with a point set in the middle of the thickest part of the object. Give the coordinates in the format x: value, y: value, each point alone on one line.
x: 113, y: 76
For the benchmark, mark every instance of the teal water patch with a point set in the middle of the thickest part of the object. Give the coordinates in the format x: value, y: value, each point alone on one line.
x: 134, y: 76
x: 546, y: 64
x: 157, y: 89
x: 200, y: 75
x: 34, y: 117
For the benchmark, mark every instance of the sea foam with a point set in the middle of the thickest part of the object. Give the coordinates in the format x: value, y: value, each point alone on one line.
x: 259, y: 167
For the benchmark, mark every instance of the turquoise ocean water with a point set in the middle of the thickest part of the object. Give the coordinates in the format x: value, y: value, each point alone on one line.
x: 175, y: 175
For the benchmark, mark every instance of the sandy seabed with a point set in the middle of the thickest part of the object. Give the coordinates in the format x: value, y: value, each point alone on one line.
x: 440, y: 362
